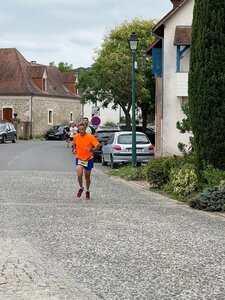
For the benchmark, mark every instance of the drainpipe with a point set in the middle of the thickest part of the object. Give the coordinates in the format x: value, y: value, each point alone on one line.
x: 161, y: 142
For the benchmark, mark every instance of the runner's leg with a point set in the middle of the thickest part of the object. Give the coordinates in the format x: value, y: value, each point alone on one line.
x: 88, y: 178
x: 80, y: 175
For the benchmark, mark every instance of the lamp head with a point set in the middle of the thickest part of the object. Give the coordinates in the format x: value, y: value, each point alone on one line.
x: 133, y: 42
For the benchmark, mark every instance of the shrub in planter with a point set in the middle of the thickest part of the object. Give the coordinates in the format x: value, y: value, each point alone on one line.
x: 182, y: 180
x: 210, y: 199
x: 158, y: 169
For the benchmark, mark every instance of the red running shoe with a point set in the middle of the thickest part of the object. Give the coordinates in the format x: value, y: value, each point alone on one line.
x: 79, y: 193
x: 87, y: 195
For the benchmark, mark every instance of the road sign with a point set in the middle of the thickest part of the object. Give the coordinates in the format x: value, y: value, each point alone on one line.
x: 95, y: 111
x: 95, y: 121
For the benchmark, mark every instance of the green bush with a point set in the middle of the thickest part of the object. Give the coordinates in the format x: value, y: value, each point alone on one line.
x: 109, y: 123
x: 182, y: 180
x: 158, y: 169
x: 213, y: 176
x: 129, y: 173
x: 210, y: 199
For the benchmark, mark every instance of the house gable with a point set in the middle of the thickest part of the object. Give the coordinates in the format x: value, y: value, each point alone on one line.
x: 158, y: 30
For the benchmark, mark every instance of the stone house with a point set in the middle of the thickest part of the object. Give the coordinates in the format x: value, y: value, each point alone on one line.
x: 171, y: 58
x: 38, y: 96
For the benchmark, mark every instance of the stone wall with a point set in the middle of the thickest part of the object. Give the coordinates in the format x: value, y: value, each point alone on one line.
x: 61, y: 108
x: 19, y: 105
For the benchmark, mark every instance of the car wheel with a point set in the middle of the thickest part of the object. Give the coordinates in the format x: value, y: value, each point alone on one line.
x: 14, y: 139
x: 103, y: 161
x: 3, y: 139
x: 113, y: 165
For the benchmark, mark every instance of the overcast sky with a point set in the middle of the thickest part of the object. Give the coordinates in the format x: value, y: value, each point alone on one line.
x: 68, y: 30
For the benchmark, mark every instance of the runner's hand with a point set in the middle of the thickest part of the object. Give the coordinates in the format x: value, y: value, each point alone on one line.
x: 88, y: 149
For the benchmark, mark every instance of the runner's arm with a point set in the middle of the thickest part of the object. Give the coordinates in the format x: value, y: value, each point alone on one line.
x: 93, y: 149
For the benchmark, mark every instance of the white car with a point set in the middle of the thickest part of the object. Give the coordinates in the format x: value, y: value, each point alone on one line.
x: 118, y: 149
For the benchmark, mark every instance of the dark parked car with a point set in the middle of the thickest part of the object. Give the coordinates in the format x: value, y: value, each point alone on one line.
x: 7, y: 132
x: 56, y: 132
x: 102, y: 134
x: 149, y: 131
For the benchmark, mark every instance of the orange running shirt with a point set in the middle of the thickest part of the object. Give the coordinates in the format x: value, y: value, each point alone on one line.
x: 80, y: 142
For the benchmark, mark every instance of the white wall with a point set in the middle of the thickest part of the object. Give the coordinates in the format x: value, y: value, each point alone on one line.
x: 106, y: 114
x: 171, y: 103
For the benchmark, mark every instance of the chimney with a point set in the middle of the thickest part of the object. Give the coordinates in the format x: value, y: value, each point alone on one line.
x: 175, y: 2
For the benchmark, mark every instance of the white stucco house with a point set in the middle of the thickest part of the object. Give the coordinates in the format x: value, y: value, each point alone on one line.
x: 171, y: 57
x: 105, y: 114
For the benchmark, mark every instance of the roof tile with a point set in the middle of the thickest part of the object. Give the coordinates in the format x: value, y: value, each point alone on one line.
x: 17, y: 77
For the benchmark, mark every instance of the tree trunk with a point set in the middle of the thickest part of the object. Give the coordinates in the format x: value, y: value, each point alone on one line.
x: 127, y: 117
x: 144, y: 111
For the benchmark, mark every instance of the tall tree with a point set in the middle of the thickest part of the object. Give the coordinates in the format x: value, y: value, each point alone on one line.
x: 109, y: 78
x: 63, y: 67
x: 207, y: 83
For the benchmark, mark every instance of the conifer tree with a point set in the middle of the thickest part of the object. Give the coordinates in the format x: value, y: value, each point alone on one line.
x: 207, y: 83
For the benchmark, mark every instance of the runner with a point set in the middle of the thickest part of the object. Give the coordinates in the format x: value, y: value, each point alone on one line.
x: 84, y: 144
x: 73, y: 131
x: 89, y: 129
x: 67, y: 131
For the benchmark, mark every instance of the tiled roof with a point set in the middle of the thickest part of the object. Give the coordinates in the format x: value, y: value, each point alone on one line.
x: 36, y: 71
x: 68, y: 77
x: 182, y: 35
x: 17, y: 77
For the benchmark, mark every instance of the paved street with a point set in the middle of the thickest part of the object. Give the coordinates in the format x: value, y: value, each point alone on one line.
x: 126, y: 243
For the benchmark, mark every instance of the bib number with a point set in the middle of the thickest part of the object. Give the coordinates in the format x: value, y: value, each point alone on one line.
x: 82, y: 163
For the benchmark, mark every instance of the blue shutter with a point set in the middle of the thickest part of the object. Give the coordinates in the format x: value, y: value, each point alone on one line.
x: 157, y: 61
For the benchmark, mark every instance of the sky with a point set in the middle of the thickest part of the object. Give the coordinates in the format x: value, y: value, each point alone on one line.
x: 68, y: 31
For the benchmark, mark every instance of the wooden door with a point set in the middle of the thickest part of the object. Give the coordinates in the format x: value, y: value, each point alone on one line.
x: 7, y: 114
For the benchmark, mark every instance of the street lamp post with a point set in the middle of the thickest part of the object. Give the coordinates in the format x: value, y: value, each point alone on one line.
x: 133, y: 43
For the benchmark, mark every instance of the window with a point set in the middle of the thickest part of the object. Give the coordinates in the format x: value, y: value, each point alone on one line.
x: 44, y: 84
x: 50, y: 116
x: 127, y: 139
x: 71, y: 117
x: 110, y: 140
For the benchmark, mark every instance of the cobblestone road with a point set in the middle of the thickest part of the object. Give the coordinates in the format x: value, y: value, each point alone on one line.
x: 26, y: 275
x: 126, y: 243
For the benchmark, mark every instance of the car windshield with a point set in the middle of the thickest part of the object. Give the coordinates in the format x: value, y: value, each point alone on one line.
x: 2, y: 127
x: 61, y: 128
x: 127, y: 139
x: 104, y: 135
x: 55, y: 127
